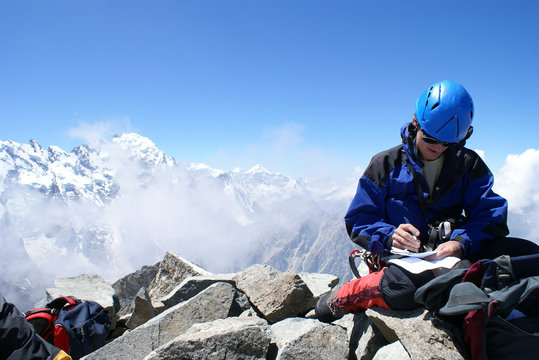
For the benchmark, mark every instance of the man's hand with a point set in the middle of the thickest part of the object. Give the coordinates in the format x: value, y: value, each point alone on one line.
x: 448, y: 248
x: 405, y: 237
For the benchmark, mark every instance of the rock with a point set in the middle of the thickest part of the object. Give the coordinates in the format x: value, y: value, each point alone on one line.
x: 191, y: 286
x: 319, y: 284
x: 216, y: 302
x: 231, y: 339
x: 416, y: 333
x: 394, y: 351
x: 219, y: 317
x: 127, y: 287
x: 87, y: 287
x: 299, y: 338
x: 143, y: 311
x: 172, y: 271
x: 276, y: 295
x: 365, y: 339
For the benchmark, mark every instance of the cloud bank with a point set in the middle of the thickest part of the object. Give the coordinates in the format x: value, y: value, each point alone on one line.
x: 517, y: 181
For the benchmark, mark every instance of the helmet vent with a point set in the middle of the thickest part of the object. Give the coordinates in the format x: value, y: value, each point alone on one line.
x: 447, y: 122
x: 434, y: 106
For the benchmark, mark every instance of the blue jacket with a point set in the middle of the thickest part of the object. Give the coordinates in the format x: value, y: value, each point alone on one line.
x: 387, y: 197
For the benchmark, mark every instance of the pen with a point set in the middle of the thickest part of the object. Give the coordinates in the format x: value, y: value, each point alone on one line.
x: 408, y: 222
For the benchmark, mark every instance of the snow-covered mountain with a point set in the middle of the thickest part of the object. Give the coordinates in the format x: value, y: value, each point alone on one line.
x: 116, y: 205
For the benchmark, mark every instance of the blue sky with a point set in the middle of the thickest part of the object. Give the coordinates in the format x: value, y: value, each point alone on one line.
x: 301, y: 87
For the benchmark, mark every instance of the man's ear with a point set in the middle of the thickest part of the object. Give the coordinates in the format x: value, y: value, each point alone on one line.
x: 414, y: 121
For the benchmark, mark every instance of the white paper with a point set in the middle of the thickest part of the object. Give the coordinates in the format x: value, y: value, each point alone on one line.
x: 416, y: 265
x: 411, y: 253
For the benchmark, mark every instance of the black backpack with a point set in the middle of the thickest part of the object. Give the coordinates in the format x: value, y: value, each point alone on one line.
x: 75, y: 326
x: 497, y: 308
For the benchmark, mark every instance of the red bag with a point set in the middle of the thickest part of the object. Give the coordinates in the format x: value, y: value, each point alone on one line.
x: 42, y: 319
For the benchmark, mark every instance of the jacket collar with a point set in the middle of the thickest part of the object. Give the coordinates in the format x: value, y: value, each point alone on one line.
x: 452, y: 163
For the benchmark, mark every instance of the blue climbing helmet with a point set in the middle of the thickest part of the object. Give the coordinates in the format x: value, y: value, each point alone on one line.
x: 445, y: 111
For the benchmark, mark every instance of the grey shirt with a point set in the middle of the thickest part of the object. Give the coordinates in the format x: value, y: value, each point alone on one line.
x: 431, y: 170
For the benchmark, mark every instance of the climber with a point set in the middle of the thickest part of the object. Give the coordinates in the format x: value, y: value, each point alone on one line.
x: 429, y: 193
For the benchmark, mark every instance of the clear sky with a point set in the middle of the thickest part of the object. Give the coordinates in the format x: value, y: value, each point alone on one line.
x: 304, y: 87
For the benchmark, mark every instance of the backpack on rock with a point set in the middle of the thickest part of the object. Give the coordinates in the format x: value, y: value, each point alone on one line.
x: 75, y: 326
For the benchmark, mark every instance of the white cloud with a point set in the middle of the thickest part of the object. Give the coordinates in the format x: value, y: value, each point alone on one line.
x: 481, y: 154
x: 91, y: 132
x: 282, y: 148
x: 518, y: 181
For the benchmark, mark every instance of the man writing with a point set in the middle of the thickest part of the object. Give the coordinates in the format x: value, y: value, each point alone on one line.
x: 430, y: 178
x: 431, y: 193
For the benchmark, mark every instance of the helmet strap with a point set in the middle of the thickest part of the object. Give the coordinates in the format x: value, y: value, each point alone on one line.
x: 468, y: 133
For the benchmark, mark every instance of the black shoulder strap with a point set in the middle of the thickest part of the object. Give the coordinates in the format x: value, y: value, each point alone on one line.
x: 58, y: 304
x: 422, y: 200
x: 432, y: 239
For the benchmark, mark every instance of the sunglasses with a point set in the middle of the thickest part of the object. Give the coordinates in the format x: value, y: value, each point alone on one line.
x: 430, y: 140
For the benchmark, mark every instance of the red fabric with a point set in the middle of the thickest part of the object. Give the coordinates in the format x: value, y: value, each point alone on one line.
x: 474, y: 274
x: 473, y: 333
x: 61, y: 339
x: 43, y: 313
x: 360, y: 294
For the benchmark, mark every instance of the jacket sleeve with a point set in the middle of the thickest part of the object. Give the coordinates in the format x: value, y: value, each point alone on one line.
x: 365, y: 220
x: 486, y: 211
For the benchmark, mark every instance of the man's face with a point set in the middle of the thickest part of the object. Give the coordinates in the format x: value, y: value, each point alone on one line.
x: 428, y: 152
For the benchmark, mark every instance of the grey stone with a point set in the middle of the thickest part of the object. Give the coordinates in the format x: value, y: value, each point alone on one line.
x: 127, y: 287
x: 191, y: 286
x: 216, y: 302
x: 230, y: 339
x: 276, y: 295
x: 319, y: 284
x: 143, y: 311
x: 393, y: 351
x: 416, y: 332
x: 365, y: 338
x: 172, y: 271
x: 299, y: 338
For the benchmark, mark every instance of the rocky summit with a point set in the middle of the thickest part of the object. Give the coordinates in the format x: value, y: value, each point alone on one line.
x: 177, y: 310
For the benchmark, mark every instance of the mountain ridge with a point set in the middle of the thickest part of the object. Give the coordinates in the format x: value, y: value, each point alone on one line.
x: 115, y: 205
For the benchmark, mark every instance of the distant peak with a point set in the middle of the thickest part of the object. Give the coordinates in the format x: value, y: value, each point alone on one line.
x: 258, y: 169
x: 133, y: 138
x: 142, y: 147
x: 204, y: 167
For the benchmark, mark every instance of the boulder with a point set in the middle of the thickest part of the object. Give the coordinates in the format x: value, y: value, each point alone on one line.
x: 172, y: 271
x: 127, y: 287
x: 216, y: 302
x: 143, y: 310
x: 365, y: 339
x: 220, y: 316
x: 191, y: 286
x: 319, y: 284
x: 230, y: 339
x: 417, y: 334
x: 275, y: 294
x: 397, y: 352
x: 299, y: 338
